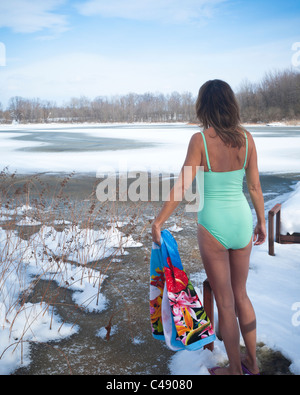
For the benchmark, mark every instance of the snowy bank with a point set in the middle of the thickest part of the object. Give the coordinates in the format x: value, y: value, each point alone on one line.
x: 59, y: 256
x: 290, y: 213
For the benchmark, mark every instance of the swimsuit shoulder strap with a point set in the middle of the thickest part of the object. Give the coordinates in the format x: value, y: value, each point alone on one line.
x: 246, y: 156
x: 206, y: 152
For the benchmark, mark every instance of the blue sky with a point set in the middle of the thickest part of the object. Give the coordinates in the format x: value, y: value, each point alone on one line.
x: 58, y: 49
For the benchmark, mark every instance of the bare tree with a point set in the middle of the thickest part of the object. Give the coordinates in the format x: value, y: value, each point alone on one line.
x: 275, y: 98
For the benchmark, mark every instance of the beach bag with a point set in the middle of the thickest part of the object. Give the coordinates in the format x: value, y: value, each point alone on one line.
x: 177, y: 315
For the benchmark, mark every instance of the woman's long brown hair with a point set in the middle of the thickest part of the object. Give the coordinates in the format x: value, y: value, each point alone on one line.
x: 217, y: 107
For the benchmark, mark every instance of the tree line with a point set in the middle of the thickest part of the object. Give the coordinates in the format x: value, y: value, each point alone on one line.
x: 275, y: 98
x: 148, y: 107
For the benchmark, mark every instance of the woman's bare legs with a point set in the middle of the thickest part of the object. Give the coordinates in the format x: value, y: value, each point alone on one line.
x: 217, y: 266
x: 227, y: 271
x: 239, y: 265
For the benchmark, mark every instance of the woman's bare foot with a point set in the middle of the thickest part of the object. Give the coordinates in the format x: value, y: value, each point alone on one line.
x: 227, y: 371
x: 250, y: 364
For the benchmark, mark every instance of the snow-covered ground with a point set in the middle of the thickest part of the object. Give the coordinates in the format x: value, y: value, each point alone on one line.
x: 23, y: 262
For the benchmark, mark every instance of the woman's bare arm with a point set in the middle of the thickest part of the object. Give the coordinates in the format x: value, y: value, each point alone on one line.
x: 255, y: 191
x: 184, y: 181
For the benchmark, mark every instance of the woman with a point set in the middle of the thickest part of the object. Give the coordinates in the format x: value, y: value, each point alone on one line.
x: 225, y: 229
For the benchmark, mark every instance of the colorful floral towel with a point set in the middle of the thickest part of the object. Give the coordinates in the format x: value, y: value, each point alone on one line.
x: 177, y: 315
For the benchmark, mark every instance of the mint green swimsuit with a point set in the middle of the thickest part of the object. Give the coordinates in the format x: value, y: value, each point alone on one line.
x: 226, y: 213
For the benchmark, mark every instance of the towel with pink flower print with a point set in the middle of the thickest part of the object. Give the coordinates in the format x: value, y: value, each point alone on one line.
x: 177, y: 315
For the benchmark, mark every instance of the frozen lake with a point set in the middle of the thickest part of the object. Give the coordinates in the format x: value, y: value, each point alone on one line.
x: 156, y: 147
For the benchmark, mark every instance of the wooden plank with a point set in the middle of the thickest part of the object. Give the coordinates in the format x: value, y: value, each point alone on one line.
x: 289, y: 239
x: 282, y: 239
x: 278, y: 215
x: 276, y: 210
x: 271, y: 233
x: 208, y: 305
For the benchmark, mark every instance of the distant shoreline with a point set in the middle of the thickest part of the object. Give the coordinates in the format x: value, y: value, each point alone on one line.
x: 293, y: 123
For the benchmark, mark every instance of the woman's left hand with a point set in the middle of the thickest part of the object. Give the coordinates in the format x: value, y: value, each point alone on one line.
x: 260, y: 234
x: 156, y: 229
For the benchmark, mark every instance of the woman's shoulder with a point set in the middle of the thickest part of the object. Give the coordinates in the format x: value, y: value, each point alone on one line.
x: 249, y: 136
x: 205, y: 134
x: 197, y: 137
x: 196, y: 142
x: 242, y: 129
x: 251, y: 144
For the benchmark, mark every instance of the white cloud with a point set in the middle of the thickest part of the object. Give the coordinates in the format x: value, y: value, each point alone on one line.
x: 169, y: 11
x: 74, y: 74
x: 29, y: 16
